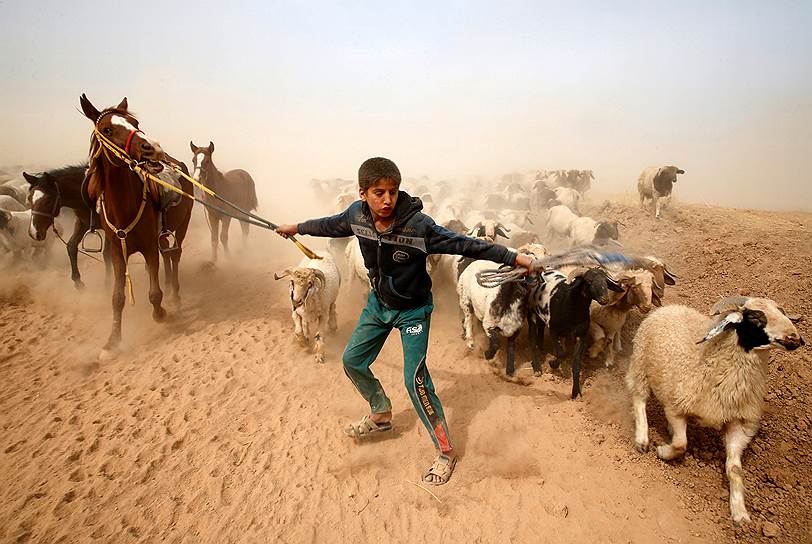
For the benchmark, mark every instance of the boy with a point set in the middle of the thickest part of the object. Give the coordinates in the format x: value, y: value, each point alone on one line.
x: 395, y: 239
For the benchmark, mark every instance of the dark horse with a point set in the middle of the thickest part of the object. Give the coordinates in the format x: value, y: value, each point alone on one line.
x: 48, y: 193
x: 131, y: 214
x: 236, y: 186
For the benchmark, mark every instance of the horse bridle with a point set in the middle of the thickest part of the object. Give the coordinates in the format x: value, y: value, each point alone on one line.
x: 126, y: 145
x: 54, y: 209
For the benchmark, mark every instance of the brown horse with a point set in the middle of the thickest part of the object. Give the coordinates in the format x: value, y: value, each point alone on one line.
x: 129, y: 205
x: 236, y: 186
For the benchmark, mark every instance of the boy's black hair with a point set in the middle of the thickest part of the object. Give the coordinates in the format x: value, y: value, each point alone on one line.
x: 375, y: 169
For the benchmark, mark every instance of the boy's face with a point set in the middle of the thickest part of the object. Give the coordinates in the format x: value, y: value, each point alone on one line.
x: 381, y: 197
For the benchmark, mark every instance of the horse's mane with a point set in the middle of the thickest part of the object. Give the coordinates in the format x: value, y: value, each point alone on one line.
x: 67, y: 170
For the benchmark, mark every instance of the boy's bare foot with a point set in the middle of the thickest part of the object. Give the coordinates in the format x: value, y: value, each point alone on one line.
x: 441, y: 470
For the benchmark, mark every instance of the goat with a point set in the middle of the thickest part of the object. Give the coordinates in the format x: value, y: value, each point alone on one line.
x: 713, y: 368
x: 562, y: 304
x: 314, y: 288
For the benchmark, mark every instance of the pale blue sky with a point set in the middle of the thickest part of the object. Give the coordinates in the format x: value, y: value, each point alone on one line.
x: 292, y: 91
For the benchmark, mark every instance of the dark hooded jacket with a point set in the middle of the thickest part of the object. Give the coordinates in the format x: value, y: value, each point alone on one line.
x: 396, y: 259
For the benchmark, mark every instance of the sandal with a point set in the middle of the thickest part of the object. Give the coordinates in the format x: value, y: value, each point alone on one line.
x: 366, y: 427
x: 442, y: 467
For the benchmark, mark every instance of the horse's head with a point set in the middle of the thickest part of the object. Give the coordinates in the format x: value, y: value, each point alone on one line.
x: 45, y: 202
x: 120, y: 127
x: 201, y: 159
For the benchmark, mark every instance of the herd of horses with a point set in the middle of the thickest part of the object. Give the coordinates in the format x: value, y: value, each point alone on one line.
x: 134, y: 211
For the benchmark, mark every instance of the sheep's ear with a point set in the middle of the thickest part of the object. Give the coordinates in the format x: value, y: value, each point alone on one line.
x: 614, y: 285
x: 502, y: 231
x: 5, y: 217
x: 669, y: 277
x: 680, y: 171
x: 724, y: 323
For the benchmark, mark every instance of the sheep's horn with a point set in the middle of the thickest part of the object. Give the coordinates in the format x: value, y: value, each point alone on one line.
x: 729, y: 304
x: 320, y: 276
x: 732, y: 317
x: 285, y: 273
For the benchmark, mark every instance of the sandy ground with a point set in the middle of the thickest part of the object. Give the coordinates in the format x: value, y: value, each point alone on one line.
x: 216, y: 427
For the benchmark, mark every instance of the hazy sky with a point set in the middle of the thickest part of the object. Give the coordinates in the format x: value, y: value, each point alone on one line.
x: 296, y: 90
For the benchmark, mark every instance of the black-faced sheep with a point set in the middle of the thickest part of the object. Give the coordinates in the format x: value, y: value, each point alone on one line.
x: 562, y: 304
x: 655, y: 183
x: 713, y: 368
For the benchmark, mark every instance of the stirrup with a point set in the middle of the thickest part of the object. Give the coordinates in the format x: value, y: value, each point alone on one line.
x: 98, y: 247
x: 171, y: 240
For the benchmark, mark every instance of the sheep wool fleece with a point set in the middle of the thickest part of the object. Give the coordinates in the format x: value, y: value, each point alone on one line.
x: 376, y: 322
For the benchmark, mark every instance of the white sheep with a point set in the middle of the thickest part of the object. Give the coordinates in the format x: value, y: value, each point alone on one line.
x: 568, y: 197
x: 11, y: 204
x: 585, y: 231
x: 356, y: 269
x: 558, y: 221
x: 314, y: 288
x: 16, y: 237
x: 712, y: 368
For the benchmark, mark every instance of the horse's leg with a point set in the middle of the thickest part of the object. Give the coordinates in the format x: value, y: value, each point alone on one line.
x: 107, y: 257
x: 118, y: 305
x: 226, y: 222
x: 214, y: 227
x: 155, y: 293
x: 79, y: 229
x: 244, y: 226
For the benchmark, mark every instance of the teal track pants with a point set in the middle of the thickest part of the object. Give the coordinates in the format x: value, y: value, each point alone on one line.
x: 376, y: 322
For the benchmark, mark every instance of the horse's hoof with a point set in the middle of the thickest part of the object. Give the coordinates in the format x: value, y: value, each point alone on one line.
x: 537, y: 373
x: 555, y: 363
x: 79, y: 285
x: 108, y: 354
x: 159, y: 314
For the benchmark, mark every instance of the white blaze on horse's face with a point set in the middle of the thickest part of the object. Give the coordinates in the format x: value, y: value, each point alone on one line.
x: 198, y: 165
x: 36, y: 196
x: 122, y: 122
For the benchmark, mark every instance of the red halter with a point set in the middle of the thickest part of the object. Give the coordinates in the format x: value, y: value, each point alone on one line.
x: 129, y: 140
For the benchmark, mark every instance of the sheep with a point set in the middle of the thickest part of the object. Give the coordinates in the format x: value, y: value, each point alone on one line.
x: 344, y: 200
x: 606, y: 322
x: 655, y: 183
x: 11, y: 204
x: 536, y: 250
x: 501, y: 310
x: 585, y: 231
x: 568, y: 196
x: 16, y: 236
x: 712, y: 368
x: 662, y: 277
x: 558, y: 221
x: 314, y: 288
x: 12, y: 191
x: 356, y: 269
x: 562, y: 304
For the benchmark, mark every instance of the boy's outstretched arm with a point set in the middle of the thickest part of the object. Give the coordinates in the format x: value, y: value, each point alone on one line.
x: 440, y: 240
x: 335, y: 226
